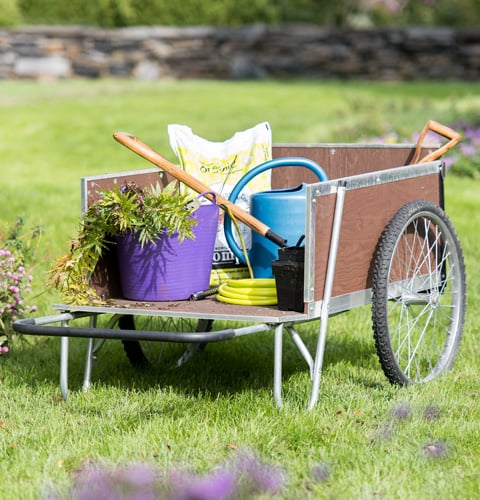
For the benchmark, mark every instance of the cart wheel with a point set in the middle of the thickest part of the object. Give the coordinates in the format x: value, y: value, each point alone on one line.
x: 150, y: 353
x: 418, y: 294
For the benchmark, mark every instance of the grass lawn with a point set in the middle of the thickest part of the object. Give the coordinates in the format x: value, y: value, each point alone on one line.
x: 373, y: 439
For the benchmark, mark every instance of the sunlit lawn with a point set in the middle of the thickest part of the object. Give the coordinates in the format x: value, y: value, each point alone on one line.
x: 370, y: 436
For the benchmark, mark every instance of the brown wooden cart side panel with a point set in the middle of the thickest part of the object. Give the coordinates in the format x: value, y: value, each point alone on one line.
x: 143, y: 179
x: 105, y: 278
x: 342, y: 162
x: 366, y: 213
x: 338, y: 161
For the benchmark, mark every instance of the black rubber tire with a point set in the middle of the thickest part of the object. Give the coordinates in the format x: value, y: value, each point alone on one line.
x: 418, y: 294
x: 143, y: 354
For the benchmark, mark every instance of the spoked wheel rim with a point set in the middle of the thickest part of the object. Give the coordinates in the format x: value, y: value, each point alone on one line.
x: 418, y: 294
x: 158, y: 354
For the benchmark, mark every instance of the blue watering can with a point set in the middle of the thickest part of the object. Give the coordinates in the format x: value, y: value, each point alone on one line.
x: 283, y: 210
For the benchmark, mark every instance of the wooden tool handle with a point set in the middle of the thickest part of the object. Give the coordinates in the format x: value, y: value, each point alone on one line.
x: 137, y: 146
x: 442, y: 130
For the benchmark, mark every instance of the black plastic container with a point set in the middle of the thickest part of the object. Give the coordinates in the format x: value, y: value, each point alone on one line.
x: 288, y: 271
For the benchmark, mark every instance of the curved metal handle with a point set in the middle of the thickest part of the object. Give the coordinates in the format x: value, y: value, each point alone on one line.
x: 278, y: 162
x: 442, y: 130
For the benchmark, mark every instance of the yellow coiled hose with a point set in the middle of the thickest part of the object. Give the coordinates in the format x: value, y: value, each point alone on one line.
x: 248, y: 292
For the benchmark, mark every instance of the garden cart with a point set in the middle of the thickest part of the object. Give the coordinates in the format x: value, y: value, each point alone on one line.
x: 376, y: 233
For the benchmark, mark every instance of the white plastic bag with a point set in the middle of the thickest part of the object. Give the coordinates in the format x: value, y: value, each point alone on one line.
x: 220, y: 165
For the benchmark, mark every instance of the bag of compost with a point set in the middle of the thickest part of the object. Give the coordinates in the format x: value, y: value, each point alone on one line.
x: 220, y: 165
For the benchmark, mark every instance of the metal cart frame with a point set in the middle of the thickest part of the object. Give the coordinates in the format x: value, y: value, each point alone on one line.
x: 345, y: 220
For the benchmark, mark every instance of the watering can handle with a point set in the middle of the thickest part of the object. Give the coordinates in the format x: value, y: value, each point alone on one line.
x: 278, y: 162
x: 442, y: 130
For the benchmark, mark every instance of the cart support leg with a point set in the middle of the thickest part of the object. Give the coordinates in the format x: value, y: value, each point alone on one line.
x: 189, y: 353
x: 64, y: 365
x: 324, y: 313
x: 89, y: 358
x: 88, y: 366
x: 277, y: 366
x: 303, y: 349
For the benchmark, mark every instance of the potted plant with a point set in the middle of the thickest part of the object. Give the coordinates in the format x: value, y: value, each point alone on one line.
x: 151, y: 229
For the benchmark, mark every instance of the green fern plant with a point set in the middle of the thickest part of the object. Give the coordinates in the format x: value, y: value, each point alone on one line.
x: 145, y: 212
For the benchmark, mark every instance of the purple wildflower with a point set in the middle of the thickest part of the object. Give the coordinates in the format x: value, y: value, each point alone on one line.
x: 449, y: 161
x: 472, y: 134
x: 320, y: 472
x: 260, y: 477
x: 218, y: 485
x: 385, y: 431
x: 401, y: 411
x: 436, y: 449
x: 242, y: 477
x: 467, y: 149
x: 139, y: 474
x: 137, y: 482
x: 431, y: 412
x: 430, y: 139
x: 93, y: 482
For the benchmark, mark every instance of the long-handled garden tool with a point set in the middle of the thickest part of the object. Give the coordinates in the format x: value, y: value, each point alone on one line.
x: 137, y: 146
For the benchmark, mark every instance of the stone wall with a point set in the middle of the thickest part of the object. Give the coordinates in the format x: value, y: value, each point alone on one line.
x: 257, y: 51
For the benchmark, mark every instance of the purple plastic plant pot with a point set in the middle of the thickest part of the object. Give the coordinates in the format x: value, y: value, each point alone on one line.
x: 169, y: 269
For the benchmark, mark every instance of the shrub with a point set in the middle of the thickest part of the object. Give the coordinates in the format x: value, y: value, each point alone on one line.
x: 111, y: 13
x: 114, y: 13
x: 464, y: 161
x: 423, y: 12
x: 18, y: 249
x: 9, y: 13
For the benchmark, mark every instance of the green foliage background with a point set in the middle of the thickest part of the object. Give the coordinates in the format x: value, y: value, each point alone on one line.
x: 116, y: 13
x: 9, y: 13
